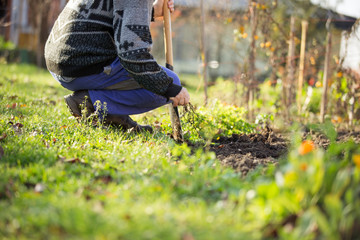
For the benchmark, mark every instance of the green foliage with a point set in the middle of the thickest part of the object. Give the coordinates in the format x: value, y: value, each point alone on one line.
x: 61, y: 179
x: 6, y: 45
x: 325, y: 186
x: 315, y: 100
x: 217, y: 119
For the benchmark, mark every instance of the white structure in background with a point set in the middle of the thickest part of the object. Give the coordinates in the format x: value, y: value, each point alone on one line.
x: 350, y: 47
x: 350, y: 50
x: 19, y: 19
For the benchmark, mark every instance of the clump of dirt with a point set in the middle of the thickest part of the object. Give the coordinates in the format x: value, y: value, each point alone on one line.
x: 322, y: 141
x: 246, y: 152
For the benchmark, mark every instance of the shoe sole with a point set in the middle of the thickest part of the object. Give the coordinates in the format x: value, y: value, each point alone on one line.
x: 72, y: 106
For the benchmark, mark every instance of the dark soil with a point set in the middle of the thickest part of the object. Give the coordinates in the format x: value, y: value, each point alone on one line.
x: 247, y: 151
x: 320, y: 139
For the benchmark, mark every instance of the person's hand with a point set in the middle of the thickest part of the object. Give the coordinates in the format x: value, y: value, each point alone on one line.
x: 182, y: 98
x: 158, y: 7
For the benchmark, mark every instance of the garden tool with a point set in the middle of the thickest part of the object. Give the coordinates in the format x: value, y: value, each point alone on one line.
x: 174, y: 113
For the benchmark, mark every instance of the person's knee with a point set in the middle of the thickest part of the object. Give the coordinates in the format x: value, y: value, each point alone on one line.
x: 176, y: 80
x: 173, y: 75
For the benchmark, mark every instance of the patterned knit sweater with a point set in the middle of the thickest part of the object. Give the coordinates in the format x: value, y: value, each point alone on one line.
x: 89, y: 34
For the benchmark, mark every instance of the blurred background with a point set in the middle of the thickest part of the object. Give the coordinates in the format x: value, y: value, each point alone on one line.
x: 287, y: 42
x: 227, y: 29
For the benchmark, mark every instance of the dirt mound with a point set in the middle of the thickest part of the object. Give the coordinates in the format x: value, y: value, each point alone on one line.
x: 245, y: 152
x: 342, y: 136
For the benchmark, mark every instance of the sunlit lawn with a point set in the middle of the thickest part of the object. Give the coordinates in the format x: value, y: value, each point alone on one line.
x: 63, y: 179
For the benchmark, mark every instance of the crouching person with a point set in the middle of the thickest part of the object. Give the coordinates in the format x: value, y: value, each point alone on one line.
x: 101, y: 50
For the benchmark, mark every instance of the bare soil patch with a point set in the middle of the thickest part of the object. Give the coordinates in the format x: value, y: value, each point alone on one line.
x: 245, y: 152
x: 342, y: 136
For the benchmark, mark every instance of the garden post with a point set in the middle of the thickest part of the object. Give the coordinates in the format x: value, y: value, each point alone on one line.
x: 203, y: 50
x: 324, y: 98
x: 304, y: 26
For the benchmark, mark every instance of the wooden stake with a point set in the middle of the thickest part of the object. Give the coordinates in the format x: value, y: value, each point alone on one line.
x: 304, y: 26
x: 252, y: 55
x: 288, y: 92
x: 291, y: 64
x: 203, y: 50
x: 324, y: 98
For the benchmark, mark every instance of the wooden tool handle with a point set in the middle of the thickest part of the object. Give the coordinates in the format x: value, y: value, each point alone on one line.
x: 174, y: 113
x: 168, y: 37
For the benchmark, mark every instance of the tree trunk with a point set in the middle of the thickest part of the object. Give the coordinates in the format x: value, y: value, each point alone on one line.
x: 40, y: 9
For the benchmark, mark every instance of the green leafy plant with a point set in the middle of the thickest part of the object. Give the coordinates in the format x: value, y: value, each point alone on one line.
x: 217, y: 120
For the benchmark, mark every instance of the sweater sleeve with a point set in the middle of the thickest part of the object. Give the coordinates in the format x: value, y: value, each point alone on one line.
x: 133, y: 43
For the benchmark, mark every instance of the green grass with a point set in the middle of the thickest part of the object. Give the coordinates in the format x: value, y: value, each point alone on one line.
x: 60, y: 179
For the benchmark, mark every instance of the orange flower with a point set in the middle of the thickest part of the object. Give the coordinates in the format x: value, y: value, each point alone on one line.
x: 318, y: 84
x: 303, y: 166
x: 356, y: 159
x: 306, y: 147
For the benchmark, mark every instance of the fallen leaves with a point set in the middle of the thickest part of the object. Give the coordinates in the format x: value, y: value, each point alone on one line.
x: 12, y: 106
x: 106, y: 179
x: 3, y: 136
x: 71, y: 160
x: 13, y: 97
x: 2, y: 152
x: 8, y: 191
x: 17, y: 127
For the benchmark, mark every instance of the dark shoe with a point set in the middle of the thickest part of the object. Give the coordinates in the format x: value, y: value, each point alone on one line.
x: 125, y: 122
x: 78, y: 103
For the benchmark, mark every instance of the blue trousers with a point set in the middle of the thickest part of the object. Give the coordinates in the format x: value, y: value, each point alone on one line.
x: 118, y: 102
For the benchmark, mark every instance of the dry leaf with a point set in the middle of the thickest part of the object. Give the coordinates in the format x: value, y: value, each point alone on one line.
x: 188, y: 236
x: 12, y: 106
x: 1, y: 152
x: 46, y: 144
x: 105, y: 179
x: 3, y: 136
x: 73, y: 160
x: 13, y: 97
